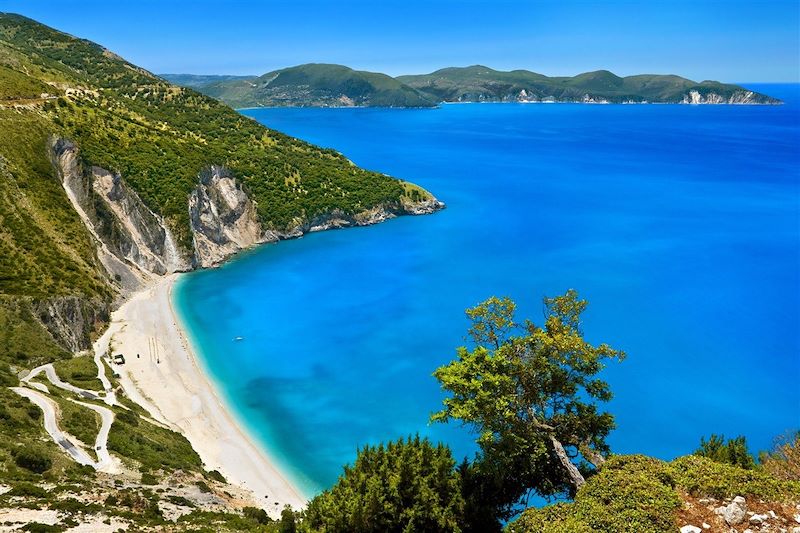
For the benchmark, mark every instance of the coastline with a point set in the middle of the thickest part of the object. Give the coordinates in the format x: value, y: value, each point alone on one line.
x: 171, y: 384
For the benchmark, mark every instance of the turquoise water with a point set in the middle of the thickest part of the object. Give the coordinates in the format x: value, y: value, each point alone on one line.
x: 680, y: 225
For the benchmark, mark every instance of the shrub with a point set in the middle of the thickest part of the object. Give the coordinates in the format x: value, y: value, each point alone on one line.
x: 34, y: 459
x: 257, y: 515
x: 216, y: 476
x: 703, y: 477
x: 784, y: 461
x: 733, y: 452
x: 27, y: 489
x: 631, y: 493
x: 407, y: 485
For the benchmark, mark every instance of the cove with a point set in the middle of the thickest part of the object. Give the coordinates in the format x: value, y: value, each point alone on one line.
x: 680, y: 225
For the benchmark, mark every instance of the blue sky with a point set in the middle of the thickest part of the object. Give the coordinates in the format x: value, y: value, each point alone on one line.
x: 731, y: 40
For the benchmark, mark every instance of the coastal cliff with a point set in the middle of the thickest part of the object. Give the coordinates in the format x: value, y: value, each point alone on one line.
x: 134, y: 244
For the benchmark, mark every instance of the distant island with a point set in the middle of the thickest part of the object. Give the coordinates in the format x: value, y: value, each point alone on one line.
x: 324, y: 85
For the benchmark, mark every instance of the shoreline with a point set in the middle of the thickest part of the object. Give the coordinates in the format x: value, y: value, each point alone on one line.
x: 164, y: 375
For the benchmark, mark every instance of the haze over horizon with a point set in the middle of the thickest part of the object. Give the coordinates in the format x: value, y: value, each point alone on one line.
x: 735, y: 41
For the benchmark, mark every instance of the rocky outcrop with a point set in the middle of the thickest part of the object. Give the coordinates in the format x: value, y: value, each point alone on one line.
x: 70, y: 320
x: 224, y: 219
x: 737, y: 97
x: 138, y: 234
x: 133, y: 242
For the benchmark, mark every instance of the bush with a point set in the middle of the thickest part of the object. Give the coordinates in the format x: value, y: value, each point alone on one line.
x: 257, y: 515
x: 635, y: 493
x: 703, y: 477
x: 784, y: 461
x: 34, y: 459
x: 407, y: 485
x: 630, y: 494
x: 733, y: 452
x: 27, y: 489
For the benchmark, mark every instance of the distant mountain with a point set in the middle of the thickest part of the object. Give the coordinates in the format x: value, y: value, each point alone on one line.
x: 313, y: 84
x: 483, y: 84
x: 195, y: 81
x: 335, y: 85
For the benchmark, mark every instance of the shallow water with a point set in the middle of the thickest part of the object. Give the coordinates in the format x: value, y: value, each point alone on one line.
x: 680, y: 225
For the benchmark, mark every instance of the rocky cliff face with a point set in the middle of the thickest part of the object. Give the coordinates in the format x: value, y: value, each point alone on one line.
x: 738, y: 97
x: 224, y: 219
x: 133, y: 243
x: 71, y: 319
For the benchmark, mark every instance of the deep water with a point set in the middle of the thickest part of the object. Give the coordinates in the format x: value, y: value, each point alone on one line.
x: 680, y: 225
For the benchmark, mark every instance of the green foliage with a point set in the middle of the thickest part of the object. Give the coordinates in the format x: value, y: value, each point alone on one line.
x: 288, y: 522
x: 407, y: 485
x: 80, y: 371
x: 154, y: 447
x: 704, y: 477
x: 33, y: 458
x: 480, y: 83
x: 733, y: 452
x: 312, y: 84
x: 529, y: 390
x: 637, y: 493
x: 256, y: 514
x: 27, y: 489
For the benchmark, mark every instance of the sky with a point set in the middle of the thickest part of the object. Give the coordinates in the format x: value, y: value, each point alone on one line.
x: 726, y: 40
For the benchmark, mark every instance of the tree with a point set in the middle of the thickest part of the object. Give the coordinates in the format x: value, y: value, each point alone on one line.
x: 407, y: 485
x: 531, y: 393
x: 784, y: 461
x: 733, y: 452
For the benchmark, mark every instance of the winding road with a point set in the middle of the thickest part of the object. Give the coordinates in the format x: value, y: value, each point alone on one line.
x: 104, y: 463
x: 50, y: 408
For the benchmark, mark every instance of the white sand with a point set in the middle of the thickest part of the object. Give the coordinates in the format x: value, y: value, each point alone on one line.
x: 174, y: 389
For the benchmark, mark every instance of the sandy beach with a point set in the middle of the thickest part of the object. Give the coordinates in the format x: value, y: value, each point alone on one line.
x: 174, y: 389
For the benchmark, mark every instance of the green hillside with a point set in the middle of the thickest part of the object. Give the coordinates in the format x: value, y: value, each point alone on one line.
x: 316, y: 85
x: 55, y: 295
x: 483, y: 84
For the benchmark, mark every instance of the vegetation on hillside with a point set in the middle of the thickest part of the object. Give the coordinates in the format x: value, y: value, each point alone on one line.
x: 337, y: 85
x: 480, y: 83
x: 313, y: 84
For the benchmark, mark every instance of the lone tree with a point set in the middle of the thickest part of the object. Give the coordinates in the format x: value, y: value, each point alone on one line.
x: 531, y: 393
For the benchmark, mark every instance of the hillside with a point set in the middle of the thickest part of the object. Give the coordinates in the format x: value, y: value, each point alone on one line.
x: 315, y: 85
x: 483, y: 84
x: 335, y: 85
x: 109, y: 178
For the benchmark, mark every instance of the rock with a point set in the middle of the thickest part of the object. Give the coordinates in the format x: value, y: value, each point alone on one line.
x: 706, y: 526
x: 797, y: 518
x: 690, y: 529
x: 735, y: 511
x: 772, y: 514
x: 720, y: 510
x: 758, y: 519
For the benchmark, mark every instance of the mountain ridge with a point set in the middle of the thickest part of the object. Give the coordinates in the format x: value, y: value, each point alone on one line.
x: 327, y: 85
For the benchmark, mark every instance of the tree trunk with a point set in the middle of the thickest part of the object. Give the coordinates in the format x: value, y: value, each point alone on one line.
x: 574, y: 475
x: 592, y: 456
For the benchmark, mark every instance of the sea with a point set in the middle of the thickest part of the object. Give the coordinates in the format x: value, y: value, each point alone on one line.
x: 680, y: 224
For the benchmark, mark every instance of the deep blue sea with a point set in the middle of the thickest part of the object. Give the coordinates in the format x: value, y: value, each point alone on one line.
x: 680, y: 225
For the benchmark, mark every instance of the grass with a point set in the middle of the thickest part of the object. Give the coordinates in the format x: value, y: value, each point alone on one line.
x: 80, y: 371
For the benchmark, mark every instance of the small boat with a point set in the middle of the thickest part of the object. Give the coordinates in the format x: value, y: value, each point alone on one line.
x: 237, y: 339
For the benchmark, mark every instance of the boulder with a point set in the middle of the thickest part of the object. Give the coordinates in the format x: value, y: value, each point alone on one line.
x: 735, y: 511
